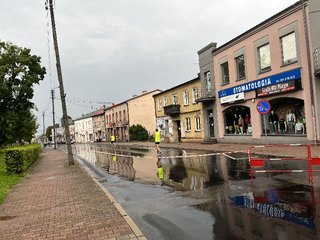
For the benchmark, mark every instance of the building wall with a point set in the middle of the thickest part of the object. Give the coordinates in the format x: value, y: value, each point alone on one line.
x: 268, y: 32
x: 313, y: 17
x: 117, y: 122
x: 84, y: 130
x: 169, y: 124
x: 141, y: 111
x: 99, y: 126
x: 207, y: 94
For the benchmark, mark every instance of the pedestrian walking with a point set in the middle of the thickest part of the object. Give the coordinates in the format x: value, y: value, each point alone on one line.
x: 113, y: 140
x: 157, y: 139
x: 161, y: 173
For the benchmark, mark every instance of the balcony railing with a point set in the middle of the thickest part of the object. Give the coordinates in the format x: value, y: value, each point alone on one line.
x: 172, y: 109
x: 206, y: 94
x: 316, y: 60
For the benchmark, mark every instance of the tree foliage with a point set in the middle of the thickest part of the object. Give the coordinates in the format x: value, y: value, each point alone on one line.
x: 19, y: 72
x: 138, y: 133
x: 49, y: 131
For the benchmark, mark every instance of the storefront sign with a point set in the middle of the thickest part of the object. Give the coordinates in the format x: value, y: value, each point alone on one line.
x: 232, y: 98
x: 262, y: 83
x: 277, y: 88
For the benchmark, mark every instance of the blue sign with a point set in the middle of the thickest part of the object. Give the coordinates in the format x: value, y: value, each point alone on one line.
x: 263, y: 82
x: 263, y: 107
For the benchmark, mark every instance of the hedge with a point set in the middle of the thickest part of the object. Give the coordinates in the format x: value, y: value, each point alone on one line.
x: 19, y: 159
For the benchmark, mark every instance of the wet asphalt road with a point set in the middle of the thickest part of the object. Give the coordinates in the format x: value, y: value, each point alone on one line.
x: 206, y: 195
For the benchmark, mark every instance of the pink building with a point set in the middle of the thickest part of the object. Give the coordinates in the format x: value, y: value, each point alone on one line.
x: 275, y: 61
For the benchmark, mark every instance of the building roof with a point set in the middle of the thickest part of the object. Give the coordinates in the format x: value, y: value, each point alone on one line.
x: 91, y: 114
x: 178, y: 86
x: 132, y: 98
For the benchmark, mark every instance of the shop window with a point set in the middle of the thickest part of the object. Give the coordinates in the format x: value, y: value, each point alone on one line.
x: 186, y: 98
x: 238, y: 120
x: 225, y: 73
x: 289, y: 48
x: 198, y: 123
x: 194, y: 95
x: 188, y: 124
x: 241, y: 70
x: 264, y: 58
x: 287, y: 117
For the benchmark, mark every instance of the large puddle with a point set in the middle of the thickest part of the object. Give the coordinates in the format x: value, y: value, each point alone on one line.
x: 265, y: 206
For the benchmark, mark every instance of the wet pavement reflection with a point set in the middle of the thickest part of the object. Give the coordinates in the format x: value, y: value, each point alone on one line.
x: 264, y: 206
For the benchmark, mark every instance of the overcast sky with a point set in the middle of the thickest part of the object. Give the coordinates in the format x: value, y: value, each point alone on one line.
x: 111, y: 50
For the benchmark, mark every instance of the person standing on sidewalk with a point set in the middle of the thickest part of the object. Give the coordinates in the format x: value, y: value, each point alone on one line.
x: 157, y: 139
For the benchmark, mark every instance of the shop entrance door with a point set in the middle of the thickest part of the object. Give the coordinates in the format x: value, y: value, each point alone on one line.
x: 179, y: 130
x: 211, y: 124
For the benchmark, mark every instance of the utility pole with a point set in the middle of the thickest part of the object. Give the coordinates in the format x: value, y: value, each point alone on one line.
x: 53, y: 121
x: 62, y: 94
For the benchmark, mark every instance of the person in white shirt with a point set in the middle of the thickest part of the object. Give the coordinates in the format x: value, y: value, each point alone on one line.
x: 299, y: 127
x: 291, y: 119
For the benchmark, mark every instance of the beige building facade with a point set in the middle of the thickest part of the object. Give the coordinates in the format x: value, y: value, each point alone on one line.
x: 179, y: 114
x: 141, y: 110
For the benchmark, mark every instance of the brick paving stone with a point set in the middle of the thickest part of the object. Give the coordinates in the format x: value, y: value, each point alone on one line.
x: 58, y: 201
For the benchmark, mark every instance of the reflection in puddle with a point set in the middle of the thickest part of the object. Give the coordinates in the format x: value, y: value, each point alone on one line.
x: 266, y: 207
x: 181, y: 170
x: 288, y: 204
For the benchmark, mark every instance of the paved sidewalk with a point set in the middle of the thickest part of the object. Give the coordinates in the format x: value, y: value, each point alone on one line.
x: 57, y: 201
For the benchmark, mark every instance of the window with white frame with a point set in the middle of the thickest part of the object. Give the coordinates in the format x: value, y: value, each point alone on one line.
x: 188, y: 124
x: 264, y: 58
x: 174, y: 99
x: 186, y: 97
x: 198, y: 123
x: 289, y: 48
x: 225, y: 73
x: 165, y: 101
x: 159, y: 105
x: 207, y: 77
x: 194, y: 95
x: 240, y: 65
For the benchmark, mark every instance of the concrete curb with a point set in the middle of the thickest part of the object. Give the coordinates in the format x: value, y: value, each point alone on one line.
x: 136, y: 230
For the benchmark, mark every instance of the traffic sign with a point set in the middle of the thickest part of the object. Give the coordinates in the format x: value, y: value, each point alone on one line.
x: 263, y: 107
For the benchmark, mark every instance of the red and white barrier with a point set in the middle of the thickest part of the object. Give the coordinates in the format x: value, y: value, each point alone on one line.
x: 256, y: 162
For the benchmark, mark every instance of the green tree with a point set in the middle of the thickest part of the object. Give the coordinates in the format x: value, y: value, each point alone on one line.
x: 138, y: 133
x: 49, y: 132
x: 19, y: 71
